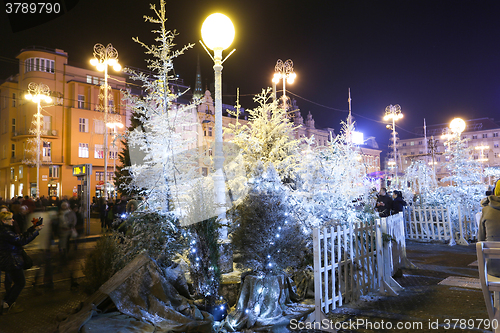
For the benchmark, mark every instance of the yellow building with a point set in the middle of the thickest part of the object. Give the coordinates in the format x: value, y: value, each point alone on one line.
x: 71, y: 131
x: 72, y: 127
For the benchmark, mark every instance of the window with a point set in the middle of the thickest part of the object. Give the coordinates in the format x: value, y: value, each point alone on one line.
x: 21, y: 172
x: 412, y: 143
x: 46, y: 151
x: 495, y: 135
x: 474, y: 136
x: 204, y: 172
x: 404, y: 154
x: 13, y: 150
x: 210, y: 131
x: 14, y: 100
x: 495, y: 145
x: 39, y: 65
x: 99, y: 151
x: 113, y: 153
x: 404, y: 144
x: 439, y: 159
x: 47, y: 124
x: 99, y: 126
x: 485, y: 135
x: 83, y: 150
x: 94, y: 79
x: 420, y: 143
x: 110, y: 175
x: 4, y: 151
x: 11, y: 173
x: 13, y: 125
x: 81, y: 102
x: 54, y: 171
x: 496, y: 155
x: 476, y: 157
x: 99, y: 176
x: 84, y: 125
x: 421, y: 152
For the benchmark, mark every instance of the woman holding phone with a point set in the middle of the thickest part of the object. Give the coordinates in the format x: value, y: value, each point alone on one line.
x: 11, y: 259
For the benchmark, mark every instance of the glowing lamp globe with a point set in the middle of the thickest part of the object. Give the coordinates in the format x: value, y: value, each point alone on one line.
x: 217, y: 32
x: 457, y: 125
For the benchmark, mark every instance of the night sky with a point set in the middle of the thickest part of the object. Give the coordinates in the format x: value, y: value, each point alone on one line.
x: 437, y: 59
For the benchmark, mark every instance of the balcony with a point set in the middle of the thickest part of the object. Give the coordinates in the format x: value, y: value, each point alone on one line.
x: 31, y: 160
x: 21, y: 134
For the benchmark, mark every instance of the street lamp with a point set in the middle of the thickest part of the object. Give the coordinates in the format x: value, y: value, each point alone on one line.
x: 283, y: 71
x: 37, y: 93
x: 114, y: 125
x: 393, y: 112
x: 218, y: 33
x: 104, y: 57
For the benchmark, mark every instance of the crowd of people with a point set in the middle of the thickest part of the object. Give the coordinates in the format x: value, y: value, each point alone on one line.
x: 62, y: 220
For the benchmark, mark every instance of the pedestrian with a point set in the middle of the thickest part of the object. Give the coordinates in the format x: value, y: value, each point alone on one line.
x: 102, y: 213
x: 384, y: 203
x: 67, y: 221
x: 11, y: 259
x: 7, y: 281
x: 110, y: 215
x: 20, y: 221
x: 489, y: 227
x: 79, y: 227
x: 397, y: 202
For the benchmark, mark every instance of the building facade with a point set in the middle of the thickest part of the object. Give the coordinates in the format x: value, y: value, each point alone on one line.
x: 483, y: 134
x: 71, y: 130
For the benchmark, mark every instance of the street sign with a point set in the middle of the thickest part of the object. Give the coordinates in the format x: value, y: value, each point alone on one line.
x: 82, y: 170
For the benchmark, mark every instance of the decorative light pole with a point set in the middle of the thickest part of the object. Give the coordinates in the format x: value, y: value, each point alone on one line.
x: 218, y: 33
x: 104, y: 57
x: 114, y: 125
x: 284, y: 71
x: 393, y: 112
x: 37, y: 93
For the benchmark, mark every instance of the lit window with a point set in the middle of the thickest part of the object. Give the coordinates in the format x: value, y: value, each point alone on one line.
x: 83, y: 150
x: 21, y: 172
x: 47, y: 151
x: 99, y: 151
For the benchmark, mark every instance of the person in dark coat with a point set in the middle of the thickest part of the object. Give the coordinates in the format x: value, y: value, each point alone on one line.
x: 397, y: 202
x: 11, y: 259
x: 384, y: 203
x: 489, y: 227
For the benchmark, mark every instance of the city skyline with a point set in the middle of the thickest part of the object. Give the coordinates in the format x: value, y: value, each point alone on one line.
x: 438, y: 60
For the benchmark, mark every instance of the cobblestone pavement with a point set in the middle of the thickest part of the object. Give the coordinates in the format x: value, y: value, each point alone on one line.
x: 423, y: 306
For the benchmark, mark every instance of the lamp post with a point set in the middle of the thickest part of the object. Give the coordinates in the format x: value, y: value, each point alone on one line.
x: 104, y: 57
x: 283, y: 71
x: 393, y: 112
x: 218, y: 33
x: 37, y: 93
x: 114, y: 125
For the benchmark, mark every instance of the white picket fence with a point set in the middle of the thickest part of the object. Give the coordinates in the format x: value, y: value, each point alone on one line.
x: 435, y: 223
x: 351, y: 260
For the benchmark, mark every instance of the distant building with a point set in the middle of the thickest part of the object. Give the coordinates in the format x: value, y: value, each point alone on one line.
x: 482, y: 132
